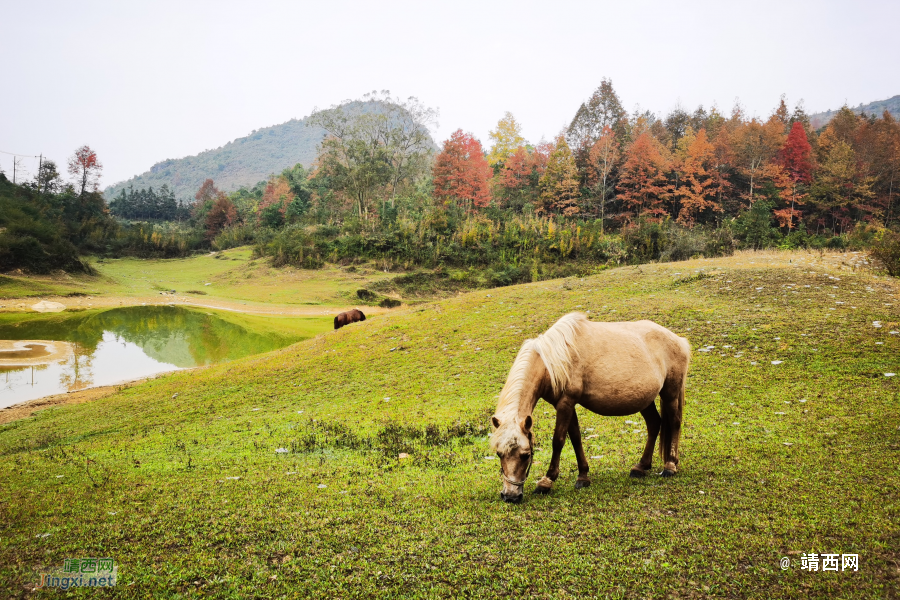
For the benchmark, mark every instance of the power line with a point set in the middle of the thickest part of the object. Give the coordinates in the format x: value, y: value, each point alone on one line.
x: 22, y: 155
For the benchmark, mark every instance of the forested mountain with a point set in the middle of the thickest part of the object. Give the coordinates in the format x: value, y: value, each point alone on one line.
x: 877, y: 108
x: 248, y: 160
x: 242, y: 162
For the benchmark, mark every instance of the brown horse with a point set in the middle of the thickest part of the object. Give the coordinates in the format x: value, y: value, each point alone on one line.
x: 611, y: 369
x: 351, y: 316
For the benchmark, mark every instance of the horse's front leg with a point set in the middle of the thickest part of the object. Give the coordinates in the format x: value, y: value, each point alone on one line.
x: 575, y: 436
x: 565, y: 410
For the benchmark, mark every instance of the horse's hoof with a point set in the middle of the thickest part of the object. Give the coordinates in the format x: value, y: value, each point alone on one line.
x: 637, y: 473
x: 668, y: 473
x: 582, y: 483
x: 544, y: 485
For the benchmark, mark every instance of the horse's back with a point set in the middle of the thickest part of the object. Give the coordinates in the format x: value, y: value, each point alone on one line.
x: 624, y: 363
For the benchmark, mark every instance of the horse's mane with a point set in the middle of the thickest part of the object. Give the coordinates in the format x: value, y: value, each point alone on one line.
x: 556, y: 347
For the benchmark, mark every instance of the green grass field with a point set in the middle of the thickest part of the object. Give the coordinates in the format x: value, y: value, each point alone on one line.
x: 188, y: 494
x: 232, y: 275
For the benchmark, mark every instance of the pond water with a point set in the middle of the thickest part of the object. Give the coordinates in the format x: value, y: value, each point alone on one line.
x: 52, y: 354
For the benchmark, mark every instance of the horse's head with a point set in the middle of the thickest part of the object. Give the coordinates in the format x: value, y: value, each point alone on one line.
x: 513, y: 442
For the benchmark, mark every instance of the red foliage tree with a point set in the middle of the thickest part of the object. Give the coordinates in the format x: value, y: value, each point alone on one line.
x: 207, y: 191
x: 642, y: 181
x: 696, y: 167
x: 522, y: 171
x: 277, y: 192
x: 795, y: 155
x: 461, y: 172
x: 85, y: 168
x: 221, y: 215
x: 517, y: 170
x: 795, y: 158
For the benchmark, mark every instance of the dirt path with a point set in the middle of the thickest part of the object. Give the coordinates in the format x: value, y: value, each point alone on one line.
x: 90, y: 302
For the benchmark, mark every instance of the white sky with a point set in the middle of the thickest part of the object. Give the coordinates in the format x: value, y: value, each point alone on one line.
x: 144, y: 81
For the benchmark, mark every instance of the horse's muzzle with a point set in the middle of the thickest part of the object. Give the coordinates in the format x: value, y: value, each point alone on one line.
x: 512, y: 498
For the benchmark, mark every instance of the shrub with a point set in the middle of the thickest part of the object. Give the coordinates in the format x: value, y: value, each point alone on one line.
x: 886, y: 250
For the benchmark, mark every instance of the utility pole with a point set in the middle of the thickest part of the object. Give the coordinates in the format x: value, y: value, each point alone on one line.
x: 40, y: 164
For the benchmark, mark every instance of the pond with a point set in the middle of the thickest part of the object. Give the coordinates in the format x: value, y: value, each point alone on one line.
x: 41, y: 355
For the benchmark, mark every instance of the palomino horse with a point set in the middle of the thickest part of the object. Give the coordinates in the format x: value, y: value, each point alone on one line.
x: 351, y: 316
x: 611, y: 369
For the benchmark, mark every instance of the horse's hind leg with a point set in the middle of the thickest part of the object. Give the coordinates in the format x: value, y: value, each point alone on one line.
x: 672, y: 404
x: 652, y: 419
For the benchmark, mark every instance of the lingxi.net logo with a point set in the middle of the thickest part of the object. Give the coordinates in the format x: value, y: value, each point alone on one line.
x: 81, y: 572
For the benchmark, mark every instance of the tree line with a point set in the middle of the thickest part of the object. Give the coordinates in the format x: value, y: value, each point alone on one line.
x: 147, y: 204
x: 694, y: 168
x: 612, y: 186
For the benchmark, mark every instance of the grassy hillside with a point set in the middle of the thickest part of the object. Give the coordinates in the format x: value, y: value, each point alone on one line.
x: 242, y: 162
x: 877, y: 108
x: 179, y: 480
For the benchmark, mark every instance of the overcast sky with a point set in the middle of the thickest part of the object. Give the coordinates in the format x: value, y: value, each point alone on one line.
x: 144, y: 81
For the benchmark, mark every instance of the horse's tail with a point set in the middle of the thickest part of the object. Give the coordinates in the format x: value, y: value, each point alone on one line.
x: 672, y: 409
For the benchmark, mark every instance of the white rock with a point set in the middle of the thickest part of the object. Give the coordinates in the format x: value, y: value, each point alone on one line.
x: 282, y: 450
x: 321, y: 486
x: 43, y: 306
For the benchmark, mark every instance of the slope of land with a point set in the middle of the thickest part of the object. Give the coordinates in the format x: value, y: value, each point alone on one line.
x: 242, y: 162
x: 280, y: 475
x: 877, y: 108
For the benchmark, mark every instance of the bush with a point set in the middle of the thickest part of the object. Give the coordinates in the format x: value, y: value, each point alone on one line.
x: 666, y: 241
x: 886, y: 250
x: 234, y: 236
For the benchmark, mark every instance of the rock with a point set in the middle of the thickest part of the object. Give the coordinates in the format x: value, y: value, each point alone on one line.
x: 282, y: 450
x: 43, y: 307
x: 403, y: 455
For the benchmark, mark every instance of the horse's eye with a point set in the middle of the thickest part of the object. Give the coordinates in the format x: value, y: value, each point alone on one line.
x: 498, y: 455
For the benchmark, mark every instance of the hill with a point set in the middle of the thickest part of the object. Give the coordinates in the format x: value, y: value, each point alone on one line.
x: 248, y: 160
x: 241, y: 162
x: 280, y: 475
x: 892, y: 105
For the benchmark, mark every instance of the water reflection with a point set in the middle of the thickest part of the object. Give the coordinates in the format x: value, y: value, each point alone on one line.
x: 59, y: 353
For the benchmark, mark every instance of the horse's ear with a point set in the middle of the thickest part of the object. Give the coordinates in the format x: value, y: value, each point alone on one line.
x: 495, y: 422
x: 526, y: 425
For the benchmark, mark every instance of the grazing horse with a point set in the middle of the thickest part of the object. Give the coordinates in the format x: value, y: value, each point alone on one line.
x: 351, y: 316
x: 611, y: 369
